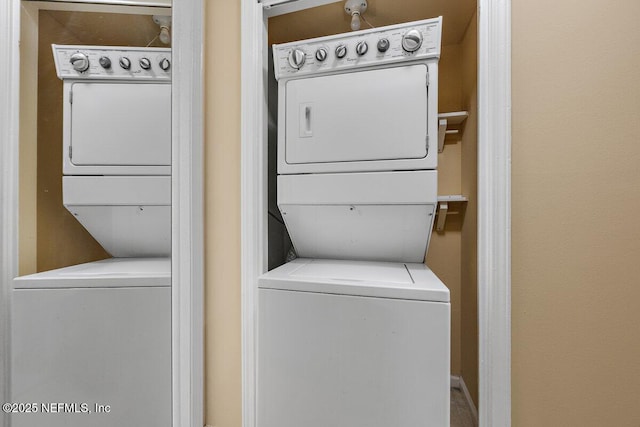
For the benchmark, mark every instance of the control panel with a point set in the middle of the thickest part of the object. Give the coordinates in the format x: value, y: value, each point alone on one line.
x: 410, y: 41
x: 109, y: 62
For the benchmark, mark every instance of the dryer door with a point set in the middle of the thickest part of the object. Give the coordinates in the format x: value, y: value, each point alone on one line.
x: 120, y: 124
x: 362, y: 116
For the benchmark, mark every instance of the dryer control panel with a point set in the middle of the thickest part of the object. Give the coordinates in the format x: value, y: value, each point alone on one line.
x: 410, y: 41
x: 109, y: 62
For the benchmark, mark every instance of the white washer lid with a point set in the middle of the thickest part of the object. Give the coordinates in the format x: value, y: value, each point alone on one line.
x: 108, y: 273
x: 357, y: 278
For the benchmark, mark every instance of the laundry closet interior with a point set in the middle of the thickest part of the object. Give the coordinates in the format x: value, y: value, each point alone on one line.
x: 91, y: 307
x: 452, y: 251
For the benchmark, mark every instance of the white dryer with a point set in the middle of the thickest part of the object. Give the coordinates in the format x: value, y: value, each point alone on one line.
x: 357, y: 142
x: 353, y: 344
x: 117, y: 145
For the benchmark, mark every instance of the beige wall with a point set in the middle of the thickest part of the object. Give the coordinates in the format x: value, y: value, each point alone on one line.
x: 576, y: 196
x: 469, y: 238
x: 575, y: 191
x: 222, y: 216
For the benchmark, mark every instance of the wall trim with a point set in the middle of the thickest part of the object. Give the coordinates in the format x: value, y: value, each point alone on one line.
x: 9, y: 146
x: 254, y: 191
x: 494, y: 212
x: 494, y: 204
x: 187, y: 207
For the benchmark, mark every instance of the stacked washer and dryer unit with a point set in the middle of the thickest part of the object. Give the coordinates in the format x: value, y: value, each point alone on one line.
x: 96, y: 337
x: 356, y: 331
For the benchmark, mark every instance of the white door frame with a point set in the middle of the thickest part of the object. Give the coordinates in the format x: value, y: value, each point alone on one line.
x: 187, y: 196
x: 494, y: 199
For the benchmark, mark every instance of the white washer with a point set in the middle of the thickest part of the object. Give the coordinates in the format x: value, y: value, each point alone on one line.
x: 353, y: 344
x: 93, y: 334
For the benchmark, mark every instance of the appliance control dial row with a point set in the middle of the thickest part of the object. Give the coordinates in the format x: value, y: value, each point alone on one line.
x: 79, y: 61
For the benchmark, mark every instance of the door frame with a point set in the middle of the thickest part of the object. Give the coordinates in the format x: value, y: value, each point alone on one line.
x: 187, y: 191
x: 494, y: 197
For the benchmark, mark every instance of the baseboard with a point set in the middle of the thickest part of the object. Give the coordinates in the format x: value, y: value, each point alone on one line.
x: 455, y: 382
x: 458, y: 383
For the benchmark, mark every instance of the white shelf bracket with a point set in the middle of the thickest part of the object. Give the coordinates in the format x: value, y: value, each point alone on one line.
x: 442, y: 132
x: 443, y: 208
x: 455, y: 118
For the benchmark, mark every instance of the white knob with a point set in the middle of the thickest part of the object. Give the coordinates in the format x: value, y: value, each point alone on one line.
x: 412, y: 40
x: 297, y: 58
x: 145, y: 64
x: 341, y: 51
x: 321, y: 54
x: 165, y: 64
x: 125, y: 62
x: 79, y: 61
x: 362, y: 48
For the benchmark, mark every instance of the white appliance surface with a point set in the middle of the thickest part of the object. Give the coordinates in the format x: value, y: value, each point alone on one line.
x: 414, y: 281
x: 330, y: 356
x: 330, y: 119
x: 93, y: 334
x: 116, y: 120
x: 369, y: 110
x: 376, y: 216
x: 108, y: 273
x: 120, y: 124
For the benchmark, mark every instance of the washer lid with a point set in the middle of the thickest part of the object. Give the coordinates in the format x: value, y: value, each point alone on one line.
x: 357, y: 278
x: 108, y: 273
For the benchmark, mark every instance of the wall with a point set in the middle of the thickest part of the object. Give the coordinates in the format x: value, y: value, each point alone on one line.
x: 222, y: 214
x: 576, y: 186
x: 469, y: 238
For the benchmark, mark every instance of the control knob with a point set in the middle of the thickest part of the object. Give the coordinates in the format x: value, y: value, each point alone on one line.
x: 321, y: 54
x: 164, y: 64
x: 79, y: 61
x: 105, y: 62
x: 383, y: 45
x: 125, y: 62
x: 362, y: 48
x: 341, y: 51
x: 412, y: 40
x: 145, y: 64
x: 297, y: 58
